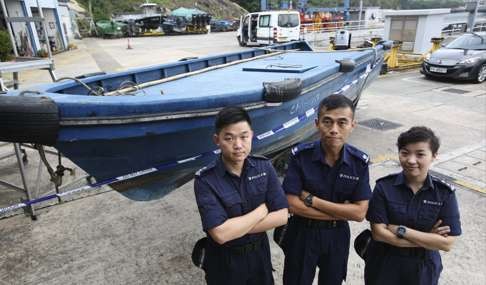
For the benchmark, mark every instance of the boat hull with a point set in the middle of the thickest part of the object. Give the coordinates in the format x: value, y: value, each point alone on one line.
x: 159, y: 152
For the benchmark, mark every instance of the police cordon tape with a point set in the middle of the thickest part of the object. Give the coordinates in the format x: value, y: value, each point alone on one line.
x: 161, y: 167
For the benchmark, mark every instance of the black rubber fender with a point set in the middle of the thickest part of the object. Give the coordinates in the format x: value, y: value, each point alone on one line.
x: 282, y: 91
x: 346, y: 65
x: 27, y: 119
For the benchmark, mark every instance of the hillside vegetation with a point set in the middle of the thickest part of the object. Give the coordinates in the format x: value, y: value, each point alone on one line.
x: 104, y: 9
x: 254, y: 5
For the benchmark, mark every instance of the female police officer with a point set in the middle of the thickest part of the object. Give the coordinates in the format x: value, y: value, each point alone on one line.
x: 239, y: 197
x: 412, y: 216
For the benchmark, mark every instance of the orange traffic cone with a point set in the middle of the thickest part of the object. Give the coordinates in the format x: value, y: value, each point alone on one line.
x: 128, y: 44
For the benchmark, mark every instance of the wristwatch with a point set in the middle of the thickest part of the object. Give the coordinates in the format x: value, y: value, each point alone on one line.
x: 308, y: 200
x: 401, y: 230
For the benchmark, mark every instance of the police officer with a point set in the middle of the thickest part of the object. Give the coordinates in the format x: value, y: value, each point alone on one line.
x: 327, y: 184
x: 413, y: 215
x: 239, y: 197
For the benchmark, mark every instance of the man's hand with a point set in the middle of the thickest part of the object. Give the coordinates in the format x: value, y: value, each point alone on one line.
x: 263, y: 210
x: 443, y: 231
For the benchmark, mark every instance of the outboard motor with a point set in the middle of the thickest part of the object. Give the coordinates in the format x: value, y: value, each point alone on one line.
x: 342, y: 40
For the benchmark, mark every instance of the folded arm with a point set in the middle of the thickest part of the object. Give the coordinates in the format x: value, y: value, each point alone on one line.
x: 237, y: 227
x: 296, y: 206
x: 353, y: 211
x: 428, y: 240
x: 381, y: 233
x: 272, y: 220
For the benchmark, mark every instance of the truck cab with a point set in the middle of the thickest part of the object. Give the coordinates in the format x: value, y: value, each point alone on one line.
x: 268, y: 27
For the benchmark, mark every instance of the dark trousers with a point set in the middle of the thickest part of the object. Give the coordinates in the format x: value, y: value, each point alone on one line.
x: 308, y: 247
x: 387, y: 264
x: 239, y: 267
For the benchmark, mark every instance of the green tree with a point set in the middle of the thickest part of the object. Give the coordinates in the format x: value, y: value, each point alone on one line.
x: 5, y: 46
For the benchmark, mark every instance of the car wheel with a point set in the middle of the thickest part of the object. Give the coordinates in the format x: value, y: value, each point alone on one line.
x: 481, y: 73
x: 242, y: 44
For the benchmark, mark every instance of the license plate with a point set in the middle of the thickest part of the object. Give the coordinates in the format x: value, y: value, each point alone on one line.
x: 438, y: 69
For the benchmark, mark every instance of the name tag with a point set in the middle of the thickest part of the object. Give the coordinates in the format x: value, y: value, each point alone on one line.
x: 435, y: 203
x: 257, y: 176
x: 349, y: 177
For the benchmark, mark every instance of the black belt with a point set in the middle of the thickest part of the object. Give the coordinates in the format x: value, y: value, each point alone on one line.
x: 406, y: 251
x: 311, y: 223
x: 246, y: 248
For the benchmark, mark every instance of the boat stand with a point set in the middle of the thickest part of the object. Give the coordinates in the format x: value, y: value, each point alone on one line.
x: 16, y: 67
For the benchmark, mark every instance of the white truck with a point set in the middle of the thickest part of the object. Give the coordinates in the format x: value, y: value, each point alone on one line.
x: 268, y: 27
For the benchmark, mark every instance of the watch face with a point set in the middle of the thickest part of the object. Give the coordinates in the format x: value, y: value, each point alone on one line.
x: 308, y: 201
x: 401, y: 231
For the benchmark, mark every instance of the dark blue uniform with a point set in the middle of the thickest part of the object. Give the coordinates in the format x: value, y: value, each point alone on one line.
x: 394, y: 203
x: 221, y: 195
x: 310, y: 243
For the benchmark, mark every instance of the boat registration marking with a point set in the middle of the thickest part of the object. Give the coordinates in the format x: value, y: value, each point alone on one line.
x: 310, y: 112
x: 438, y: 69
x: 265, y: 135
x: 291, y: 123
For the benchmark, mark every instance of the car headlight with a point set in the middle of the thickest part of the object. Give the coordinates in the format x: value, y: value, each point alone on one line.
x: 427, y: 56
x: 470, y: 60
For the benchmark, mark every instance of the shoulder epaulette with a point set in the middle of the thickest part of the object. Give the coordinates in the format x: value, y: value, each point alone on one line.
x: 443, y: 183
x: 205, y: 169
x: 301, y: 147
x: 358, y: 154
x: 393, y: 175
x: 258, y: 156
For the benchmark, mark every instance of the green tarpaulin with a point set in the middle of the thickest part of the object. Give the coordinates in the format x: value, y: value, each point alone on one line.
x: 184, y: 12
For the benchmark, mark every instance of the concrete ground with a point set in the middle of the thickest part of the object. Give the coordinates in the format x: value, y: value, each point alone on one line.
x: 105, y: 238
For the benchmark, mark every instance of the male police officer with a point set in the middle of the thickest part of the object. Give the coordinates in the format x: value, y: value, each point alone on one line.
x: 239, y: 198
x: 327, y: 184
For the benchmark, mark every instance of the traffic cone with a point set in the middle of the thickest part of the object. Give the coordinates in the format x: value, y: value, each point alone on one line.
x: 128, y: 44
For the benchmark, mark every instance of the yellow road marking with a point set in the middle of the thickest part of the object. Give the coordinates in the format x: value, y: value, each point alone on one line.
x: 470, y: 186
x: 384, y: 157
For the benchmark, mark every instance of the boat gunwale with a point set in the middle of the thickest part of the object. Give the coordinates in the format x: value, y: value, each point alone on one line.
x: 119, y: 120
x: 55, y: 87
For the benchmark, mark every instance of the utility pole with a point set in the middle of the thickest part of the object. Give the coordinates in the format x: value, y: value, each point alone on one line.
x: 472, y: 8
x: 360, y: 12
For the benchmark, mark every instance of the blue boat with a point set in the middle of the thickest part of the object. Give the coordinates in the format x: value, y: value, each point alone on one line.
x: 155, y: 124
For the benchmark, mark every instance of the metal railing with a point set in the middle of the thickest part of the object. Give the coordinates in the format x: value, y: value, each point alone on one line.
x: 318, y: 34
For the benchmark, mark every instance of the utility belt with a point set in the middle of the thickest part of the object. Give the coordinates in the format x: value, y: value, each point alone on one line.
x: 320, y: 224
x: 417, y: 252
x: 245, y: 248
x: 199, y: 251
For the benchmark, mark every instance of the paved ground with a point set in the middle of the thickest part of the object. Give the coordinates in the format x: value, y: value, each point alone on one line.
x: 108, y: 239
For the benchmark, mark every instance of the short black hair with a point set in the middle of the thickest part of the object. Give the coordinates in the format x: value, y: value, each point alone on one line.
x: 230, y: 115
x: 335, y: 101
x: 419, y: 134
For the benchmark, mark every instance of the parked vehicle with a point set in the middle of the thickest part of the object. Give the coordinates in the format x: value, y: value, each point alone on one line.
x: 463, y: 58
x: 268, y: 27
x: 221, y: 25
x: 110, y: 28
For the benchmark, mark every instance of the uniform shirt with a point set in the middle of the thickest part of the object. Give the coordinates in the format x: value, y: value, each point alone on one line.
x: 394, y: 203
x: 221, y: 195
x: 347, y: 180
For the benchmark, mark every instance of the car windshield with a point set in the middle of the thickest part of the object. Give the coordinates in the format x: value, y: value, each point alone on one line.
x: 469, y: 41
x: 288, y: 20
